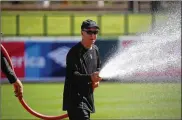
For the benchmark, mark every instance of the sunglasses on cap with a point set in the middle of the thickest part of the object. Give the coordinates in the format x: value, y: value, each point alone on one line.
x: 90, y: 32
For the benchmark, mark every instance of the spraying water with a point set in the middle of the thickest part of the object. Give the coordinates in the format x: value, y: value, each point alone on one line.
x: 157, y: 53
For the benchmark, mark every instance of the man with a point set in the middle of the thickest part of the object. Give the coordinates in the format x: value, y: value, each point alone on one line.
x: 8, y: 71
x: 82, y: 74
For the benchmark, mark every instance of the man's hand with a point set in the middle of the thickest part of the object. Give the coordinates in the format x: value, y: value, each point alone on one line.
x: 95, y: 84
x: 95, y: 77
x: 18, y: 88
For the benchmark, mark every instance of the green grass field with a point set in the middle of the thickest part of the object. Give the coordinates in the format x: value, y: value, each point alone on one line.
x: 112, y: 100
x: 59, y: 23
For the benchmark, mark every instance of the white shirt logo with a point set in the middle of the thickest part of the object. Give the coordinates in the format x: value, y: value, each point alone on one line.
x: 91, y: 56
x: 59, y: 55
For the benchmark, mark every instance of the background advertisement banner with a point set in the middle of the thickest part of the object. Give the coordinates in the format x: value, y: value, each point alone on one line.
x: 46, y: 59
x: 16, y: 52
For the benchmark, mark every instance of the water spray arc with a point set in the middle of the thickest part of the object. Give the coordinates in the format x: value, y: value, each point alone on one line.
x: 153, y: 55
x: 22, y: 101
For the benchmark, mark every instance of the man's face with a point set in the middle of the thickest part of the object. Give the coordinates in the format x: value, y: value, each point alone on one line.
x: 89, y: 35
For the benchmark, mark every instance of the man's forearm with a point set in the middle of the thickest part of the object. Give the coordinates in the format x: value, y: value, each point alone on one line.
x: 6, y: 69
x: 83, y: 77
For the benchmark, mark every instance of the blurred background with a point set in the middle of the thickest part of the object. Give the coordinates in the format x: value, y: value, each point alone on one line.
x: 63, y: 18
x: 38, y: 35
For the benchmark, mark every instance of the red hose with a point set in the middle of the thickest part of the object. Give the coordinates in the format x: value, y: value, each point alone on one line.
x: 24, y: 104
